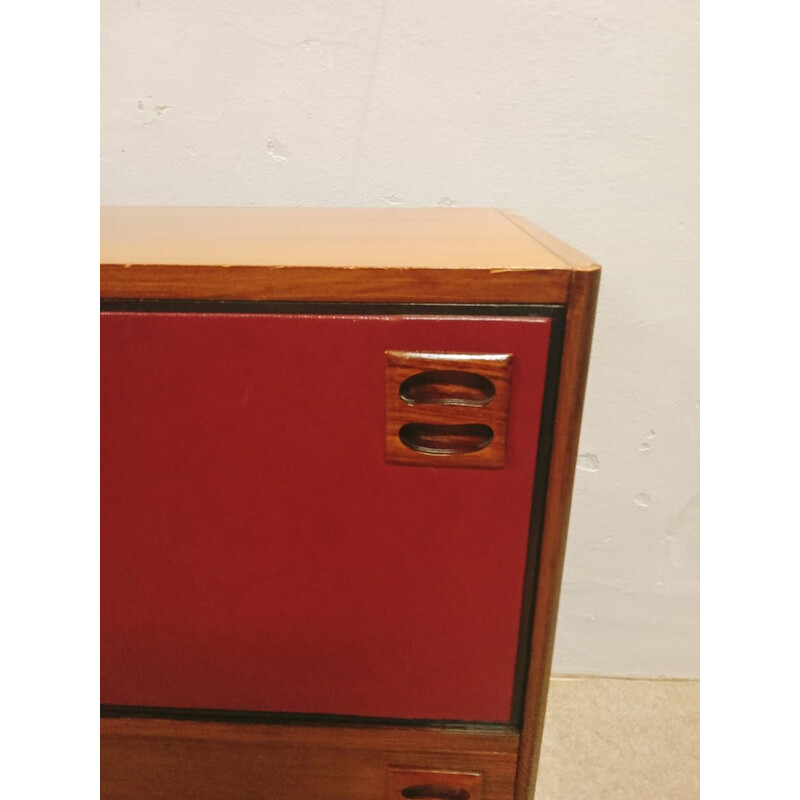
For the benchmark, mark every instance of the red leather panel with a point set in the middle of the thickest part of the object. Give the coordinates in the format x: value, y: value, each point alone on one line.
x: 257, y: 551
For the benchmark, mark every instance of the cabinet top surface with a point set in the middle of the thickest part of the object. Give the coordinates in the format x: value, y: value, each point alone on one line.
x: 432, y: 238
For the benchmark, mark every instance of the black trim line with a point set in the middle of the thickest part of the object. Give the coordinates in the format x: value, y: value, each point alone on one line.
x: 289, y: 718
x: 540, y: 483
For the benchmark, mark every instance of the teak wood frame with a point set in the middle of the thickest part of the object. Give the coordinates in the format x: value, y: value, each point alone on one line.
x: 204, y: 759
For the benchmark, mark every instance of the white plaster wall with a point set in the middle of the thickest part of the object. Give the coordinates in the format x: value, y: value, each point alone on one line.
x: 581, y: 115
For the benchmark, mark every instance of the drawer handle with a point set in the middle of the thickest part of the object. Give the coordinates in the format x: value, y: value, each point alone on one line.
x: 447, y: 404
x: 445, y: 440
x: 430, y: 791
x: 447, y: 388
x: 432, y: 784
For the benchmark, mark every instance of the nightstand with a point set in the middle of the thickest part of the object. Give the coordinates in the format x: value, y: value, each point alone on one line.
x: 337, y: 456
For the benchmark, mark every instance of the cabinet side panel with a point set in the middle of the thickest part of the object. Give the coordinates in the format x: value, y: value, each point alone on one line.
x: 569, y: 410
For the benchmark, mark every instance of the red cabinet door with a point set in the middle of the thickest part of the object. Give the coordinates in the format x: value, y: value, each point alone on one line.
x: 259, y: 554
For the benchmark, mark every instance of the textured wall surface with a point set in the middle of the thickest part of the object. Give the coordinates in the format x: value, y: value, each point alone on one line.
x: 581, y: 116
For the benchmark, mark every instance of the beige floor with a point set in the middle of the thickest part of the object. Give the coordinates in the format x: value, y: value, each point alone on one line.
x: 611, y: 739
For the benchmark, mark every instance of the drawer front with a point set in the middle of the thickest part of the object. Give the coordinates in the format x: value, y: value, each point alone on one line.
x: 157, y: 758
x: 259, y: 552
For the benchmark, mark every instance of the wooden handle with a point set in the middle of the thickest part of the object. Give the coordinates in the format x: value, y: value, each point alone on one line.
x: 432, y: 784
x: 445, y: 440
x: 430, y: 791
x: 447, y: 387
x: 447, y: 409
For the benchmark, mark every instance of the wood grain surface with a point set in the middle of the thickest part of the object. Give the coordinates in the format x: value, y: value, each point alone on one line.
x: 148, y: 759
x: 405, y: 238
x: 569, y: 410
x: 565, y: 253
x: 393, y: 255
x: 333, y: 284
x: 401, y: 366
x: 420, y: 784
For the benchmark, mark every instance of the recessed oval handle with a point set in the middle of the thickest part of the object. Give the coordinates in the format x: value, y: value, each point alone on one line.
x: 430, y: 791
x: 447, y: 387
x: 446, y: 440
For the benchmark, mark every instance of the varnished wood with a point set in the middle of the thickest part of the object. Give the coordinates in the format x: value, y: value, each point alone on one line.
x: 569, y: 410
x: 403, y: 365
x: 407, y: 784
x: 333, y: 284
x: 564, y: 252
x: 146, y: 759
x: 391, y: 238
x: 392, y: 255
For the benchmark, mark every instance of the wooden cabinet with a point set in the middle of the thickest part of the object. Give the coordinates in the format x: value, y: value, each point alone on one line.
x: 337, y: 455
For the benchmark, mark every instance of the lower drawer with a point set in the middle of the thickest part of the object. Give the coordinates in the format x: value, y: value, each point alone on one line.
x: 212, y: 760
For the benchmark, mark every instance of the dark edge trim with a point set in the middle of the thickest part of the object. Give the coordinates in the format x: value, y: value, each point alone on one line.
x: 289, y: 718
x: 557, y: 313
x: 303, y: 307
x: 540, y: 483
